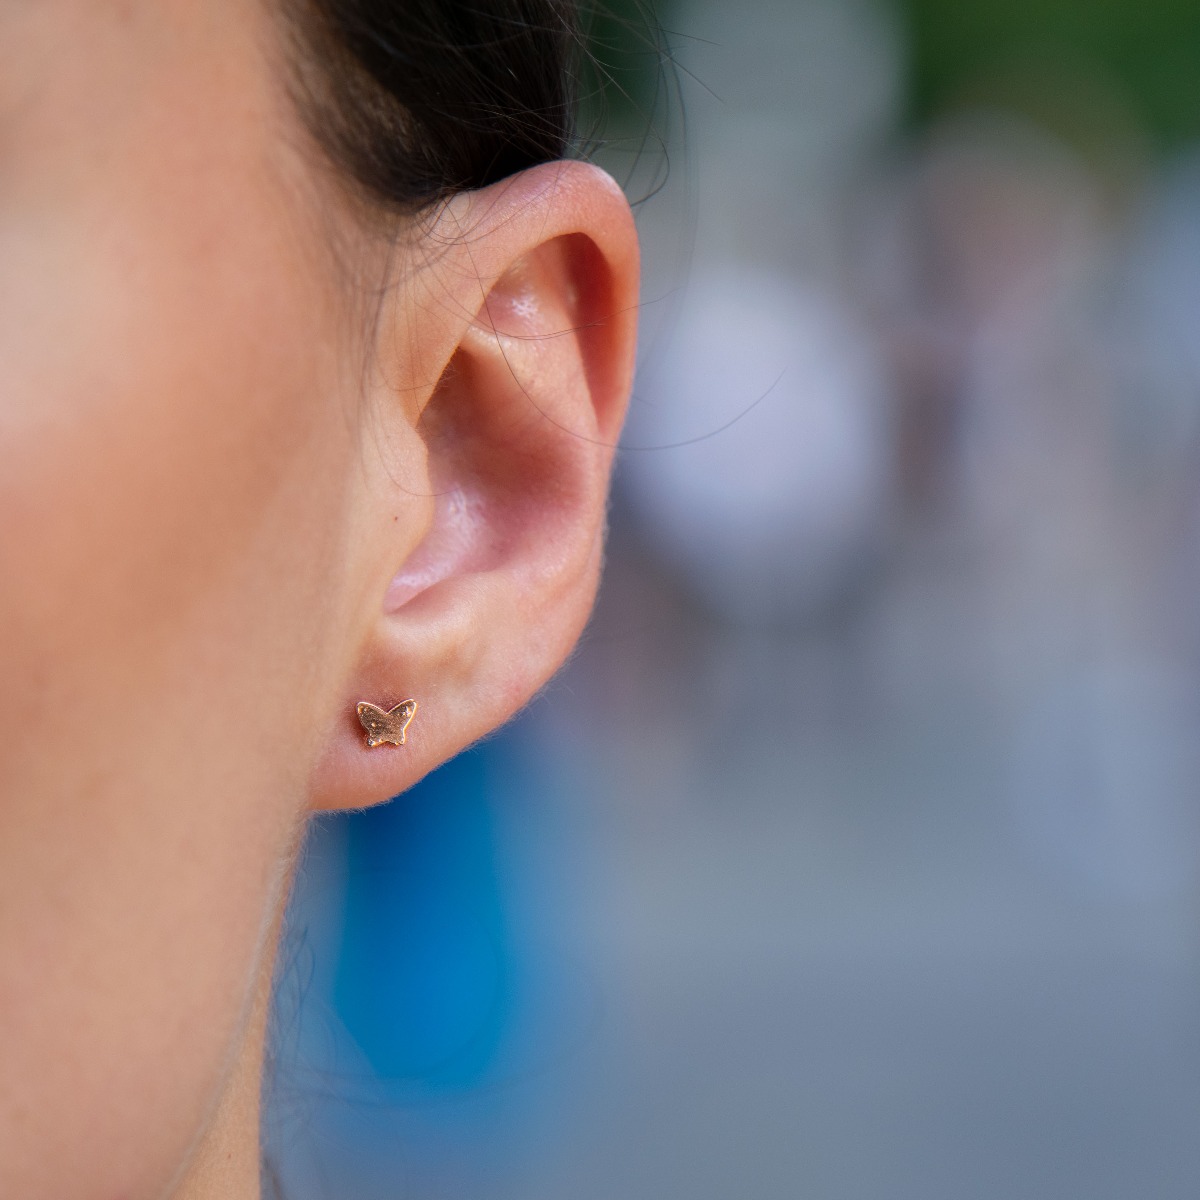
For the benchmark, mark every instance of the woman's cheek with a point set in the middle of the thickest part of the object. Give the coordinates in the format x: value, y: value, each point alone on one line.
x: 169, y: 521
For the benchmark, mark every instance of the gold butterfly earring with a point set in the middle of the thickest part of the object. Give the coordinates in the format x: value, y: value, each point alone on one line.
x: 385, y: 724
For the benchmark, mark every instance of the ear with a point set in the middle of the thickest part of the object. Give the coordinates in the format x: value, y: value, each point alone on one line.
x: 506, y: 361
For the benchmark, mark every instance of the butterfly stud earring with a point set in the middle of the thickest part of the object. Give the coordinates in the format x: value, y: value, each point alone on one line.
x: 385, y: 724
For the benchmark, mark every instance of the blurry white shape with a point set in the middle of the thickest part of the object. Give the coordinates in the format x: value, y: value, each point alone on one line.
x: 827, y: 74
x: 1162, y: 309
x: 777, y: 127
x: 1104, y: 776
x: 781, y: 501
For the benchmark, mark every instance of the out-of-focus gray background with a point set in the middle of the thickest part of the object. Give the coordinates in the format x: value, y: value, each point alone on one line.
x: 856, y: 855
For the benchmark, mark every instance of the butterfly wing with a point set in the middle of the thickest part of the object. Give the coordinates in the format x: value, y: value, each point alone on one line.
x: 385, y: 726
x: 374, y: 720
x: 400, y: 717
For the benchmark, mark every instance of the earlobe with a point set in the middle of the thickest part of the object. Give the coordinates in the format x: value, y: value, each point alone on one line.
x: 536, y: 283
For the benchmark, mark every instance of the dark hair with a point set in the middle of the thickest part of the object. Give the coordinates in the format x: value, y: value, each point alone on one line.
x: 416, y: 100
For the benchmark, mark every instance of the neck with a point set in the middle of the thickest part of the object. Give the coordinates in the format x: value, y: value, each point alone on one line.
x: 226, y: 1161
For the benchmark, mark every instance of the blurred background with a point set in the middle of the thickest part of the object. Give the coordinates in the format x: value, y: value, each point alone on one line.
x: 855, y: 855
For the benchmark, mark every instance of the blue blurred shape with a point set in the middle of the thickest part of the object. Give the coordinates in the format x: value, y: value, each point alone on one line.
x: 423, y: 981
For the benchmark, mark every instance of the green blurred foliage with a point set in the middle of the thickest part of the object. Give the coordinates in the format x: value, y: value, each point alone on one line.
x: 1113, y: 78
x: 624, y: 77
x: 1145, y: 53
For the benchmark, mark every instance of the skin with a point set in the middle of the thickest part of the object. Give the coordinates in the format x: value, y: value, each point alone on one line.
x: 234, y: 500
